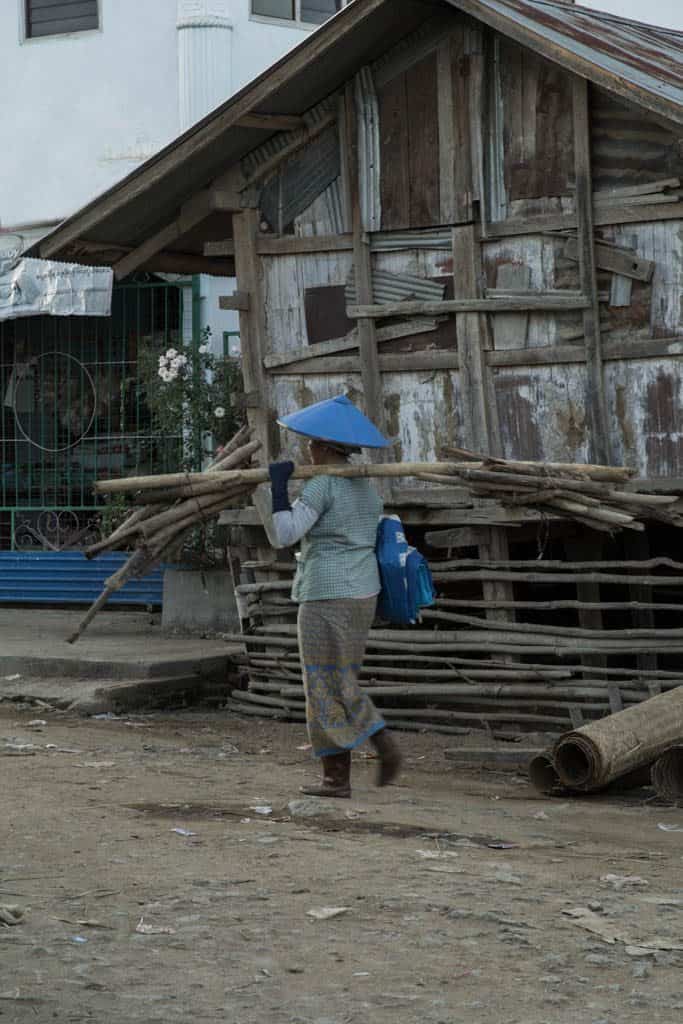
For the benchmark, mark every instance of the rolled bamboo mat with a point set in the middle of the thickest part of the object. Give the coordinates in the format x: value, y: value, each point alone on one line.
x: 667, y: 775
x: 592, y: 756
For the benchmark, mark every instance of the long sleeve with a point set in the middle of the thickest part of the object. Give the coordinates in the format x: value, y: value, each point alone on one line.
x: 292, y: 525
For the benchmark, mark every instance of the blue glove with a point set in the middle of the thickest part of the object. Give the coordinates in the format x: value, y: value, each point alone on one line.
x: 280, y: 473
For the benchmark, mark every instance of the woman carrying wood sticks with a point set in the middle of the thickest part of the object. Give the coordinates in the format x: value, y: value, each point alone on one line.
x: 336, y: 586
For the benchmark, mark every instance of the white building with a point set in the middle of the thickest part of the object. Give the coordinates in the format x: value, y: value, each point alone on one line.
x: 93, y: 88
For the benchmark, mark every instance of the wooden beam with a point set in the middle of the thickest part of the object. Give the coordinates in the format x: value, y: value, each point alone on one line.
x: 271, y: 246
x: 367, y: 337
x: 271, y: 122
x: 597, y: 403
x: 615, y: 259
x: 347, y: 343
x: 603, y: 216
x: 252, y: 324
x: 428, y: 360
x: 192, y: 213
x: 223, y: 248
x: 515, y: 303
x: 238, y: 300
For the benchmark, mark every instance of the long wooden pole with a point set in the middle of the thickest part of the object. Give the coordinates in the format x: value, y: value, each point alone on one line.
x: 259, y: 475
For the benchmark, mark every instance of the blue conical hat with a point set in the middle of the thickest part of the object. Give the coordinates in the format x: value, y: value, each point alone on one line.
x: 336, y: 420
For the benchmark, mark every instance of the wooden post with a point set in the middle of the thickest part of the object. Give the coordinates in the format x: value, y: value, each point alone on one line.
x: 252, y: 326
x: 367, y: 337
x: 478, y: 397
x: 588, y: 549
x: 637, y: 546
x: 597, y: 405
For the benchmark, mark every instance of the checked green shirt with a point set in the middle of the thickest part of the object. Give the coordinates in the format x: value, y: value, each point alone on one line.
x: 338, y: 553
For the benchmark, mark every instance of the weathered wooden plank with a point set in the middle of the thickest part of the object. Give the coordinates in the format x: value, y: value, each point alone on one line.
x: 624, y: 191
x: 428, y: 360
x: 510, y: 329
x: 618, y: 260
x: 252, y: 325
x: 597, y: 404
x: 300, y: 245
x: 394, y: 185
x: 602, y: 217
x: 534, y: 301
x: 423, y: 133
x: 465, y: 537
x: 347, y: 343
x: 448, y: 155
x: 362, y: 265
x: 271, y: 122
x: 238, y: 301
x: 621, y: 291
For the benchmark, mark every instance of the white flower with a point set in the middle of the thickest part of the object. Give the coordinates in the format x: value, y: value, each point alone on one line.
x: 181, y: 360
x: 176, y: 363
x: 171, y: 353
x: 171, y: 374
x: 163, y: 373
x: 219, y: 412
x: 162, y: 360
x: 203, y: 349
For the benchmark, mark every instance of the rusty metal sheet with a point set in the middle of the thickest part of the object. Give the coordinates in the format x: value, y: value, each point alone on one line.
x: 645, y: 410
x: 643, y: 63
x: 543, y: 413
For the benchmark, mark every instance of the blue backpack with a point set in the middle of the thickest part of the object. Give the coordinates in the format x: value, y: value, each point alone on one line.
x: 407, y: 584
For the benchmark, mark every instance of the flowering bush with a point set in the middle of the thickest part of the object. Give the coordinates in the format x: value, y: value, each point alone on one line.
x: 192, y: 395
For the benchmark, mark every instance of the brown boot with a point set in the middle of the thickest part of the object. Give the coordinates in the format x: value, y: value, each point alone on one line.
x: 389, y: 757
x: 336, y: 777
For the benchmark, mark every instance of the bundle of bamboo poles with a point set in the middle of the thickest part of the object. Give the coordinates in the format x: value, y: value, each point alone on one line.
x: 590, y: 494
x: 166, y: 514
x: 587, y: 494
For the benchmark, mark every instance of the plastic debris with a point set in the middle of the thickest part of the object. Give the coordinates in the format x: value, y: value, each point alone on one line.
x: 153, y: 929
x: 263, y: 809
x: 37, y: 723
x: 669, y: 828
x: 326, y: 913
x: 10, y: 914
x: 78, y: 939
x: 620, y: 882
x: 183, y: 832
x: 96, y: 764
x: 12, y: 679
x: 436, y: 854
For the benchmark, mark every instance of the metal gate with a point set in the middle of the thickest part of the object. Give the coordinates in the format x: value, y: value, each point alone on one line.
x: 73, y: 410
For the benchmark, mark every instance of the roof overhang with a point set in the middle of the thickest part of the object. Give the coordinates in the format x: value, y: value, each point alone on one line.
x: 182, y: 198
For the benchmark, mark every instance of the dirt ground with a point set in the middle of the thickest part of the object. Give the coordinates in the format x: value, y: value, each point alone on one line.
x: 455, y: 885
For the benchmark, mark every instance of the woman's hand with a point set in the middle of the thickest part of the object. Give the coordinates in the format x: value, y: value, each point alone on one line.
x: 280, y: 473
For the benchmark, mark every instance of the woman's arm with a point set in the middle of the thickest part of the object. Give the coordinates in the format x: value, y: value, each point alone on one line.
x: 292, y: 524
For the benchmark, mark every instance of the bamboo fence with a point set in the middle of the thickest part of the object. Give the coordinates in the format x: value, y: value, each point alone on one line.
x: 500, y: 651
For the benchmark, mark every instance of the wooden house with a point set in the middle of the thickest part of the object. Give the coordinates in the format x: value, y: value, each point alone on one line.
x: 467, y: 215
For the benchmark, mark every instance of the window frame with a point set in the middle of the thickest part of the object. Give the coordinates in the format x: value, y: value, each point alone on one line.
x: 296, y: 21
x: 24, y: 36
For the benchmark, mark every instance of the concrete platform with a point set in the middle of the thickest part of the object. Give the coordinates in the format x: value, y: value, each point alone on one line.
x: 123, y: 661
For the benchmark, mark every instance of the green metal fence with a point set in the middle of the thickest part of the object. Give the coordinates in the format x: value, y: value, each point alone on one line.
x: 73, y: 410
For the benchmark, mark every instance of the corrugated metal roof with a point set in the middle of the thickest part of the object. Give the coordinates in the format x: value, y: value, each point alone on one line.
x: 640, y: 63
x: 643, y: 63
x: 387, y: 287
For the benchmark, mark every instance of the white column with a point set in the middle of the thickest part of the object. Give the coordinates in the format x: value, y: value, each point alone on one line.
x: 204, y: 58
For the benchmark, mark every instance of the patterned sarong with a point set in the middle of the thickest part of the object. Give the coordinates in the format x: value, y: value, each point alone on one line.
x: 332, y: 640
